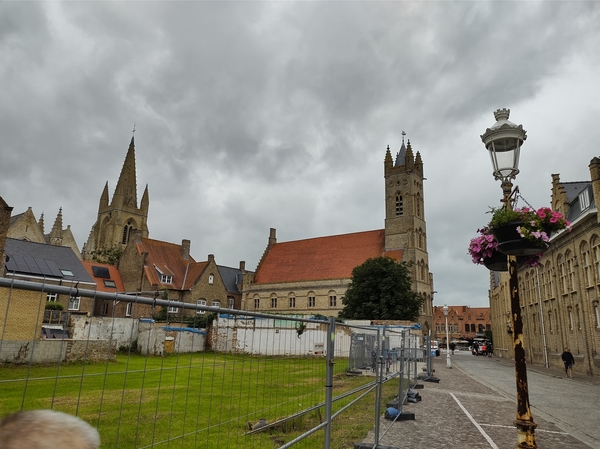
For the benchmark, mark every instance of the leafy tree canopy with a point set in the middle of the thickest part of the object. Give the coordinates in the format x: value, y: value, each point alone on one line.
x: 106, y: 255
x: 380, y: 289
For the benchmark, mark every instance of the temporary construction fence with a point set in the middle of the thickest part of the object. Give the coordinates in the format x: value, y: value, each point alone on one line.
x: 249, y: 380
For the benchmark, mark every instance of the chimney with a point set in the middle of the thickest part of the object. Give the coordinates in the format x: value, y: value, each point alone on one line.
x: 211, y: 257
x: 185, y: 249
x: 272, y: 237
x: 243, y: 266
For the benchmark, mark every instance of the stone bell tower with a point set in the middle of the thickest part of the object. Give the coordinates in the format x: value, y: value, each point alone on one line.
x: 405, y: 226
x: 118, y: 219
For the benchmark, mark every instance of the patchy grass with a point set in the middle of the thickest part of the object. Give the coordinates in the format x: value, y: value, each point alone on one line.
x: 195, y: 400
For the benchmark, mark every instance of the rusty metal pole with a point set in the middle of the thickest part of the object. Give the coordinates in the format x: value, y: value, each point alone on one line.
x: 524, y: 421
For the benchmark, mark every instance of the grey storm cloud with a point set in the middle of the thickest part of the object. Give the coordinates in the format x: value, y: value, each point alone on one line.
x: 251, y: 115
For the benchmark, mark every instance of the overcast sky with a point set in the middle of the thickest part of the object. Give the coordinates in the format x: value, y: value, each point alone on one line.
x: 258, y: 115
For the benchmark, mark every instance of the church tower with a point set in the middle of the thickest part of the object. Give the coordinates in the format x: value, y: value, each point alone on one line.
x: 118, y: 219
x: 405, y: 226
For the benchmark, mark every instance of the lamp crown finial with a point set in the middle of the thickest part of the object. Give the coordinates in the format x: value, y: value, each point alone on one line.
x: 502, y: 114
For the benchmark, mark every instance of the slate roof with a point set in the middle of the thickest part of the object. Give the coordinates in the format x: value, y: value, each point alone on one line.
x: 230, y: 277
x: 113, y: 275
x: 321, y: 258
x: 572, y: 190
x: 42, y: 260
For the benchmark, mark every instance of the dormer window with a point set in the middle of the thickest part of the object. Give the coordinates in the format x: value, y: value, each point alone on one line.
x: 584, y: 200
x: 164, y: 277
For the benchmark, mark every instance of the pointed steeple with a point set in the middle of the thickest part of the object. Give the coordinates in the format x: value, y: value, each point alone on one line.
x: 145, y: 201
x: 104, y: 197
x: 126, y: 190
x: 401, y: 155
x: 409, y: 160
x: 41, y: 223
x: 56, y: 232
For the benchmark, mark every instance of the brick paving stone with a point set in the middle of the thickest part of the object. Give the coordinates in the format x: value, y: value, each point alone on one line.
x: 440, y: 421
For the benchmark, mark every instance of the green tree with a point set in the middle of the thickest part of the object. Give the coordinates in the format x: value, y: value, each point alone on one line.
x: 106, y: 255
x: 380, y: 289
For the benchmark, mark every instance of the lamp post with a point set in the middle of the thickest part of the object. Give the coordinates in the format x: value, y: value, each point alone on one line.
x: 503, y: 141
x: 448, y: 361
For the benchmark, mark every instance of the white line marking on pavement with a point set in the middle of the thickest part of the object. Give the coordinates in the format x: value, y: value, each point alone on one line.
x: 486, y: 436
x: 537, y: 430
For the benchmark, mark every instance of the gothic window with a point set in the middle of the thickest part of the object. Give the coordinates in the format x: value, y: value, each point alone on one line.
x: 563, y: 274
x: 418, y: 205
x: 550, y: 321
x: 596, y: 255
x: 570, y: 318
x: 597, y: 313
x: 570, y: 272
x: 467, y: 327
x: 126, y: 233
x: 399, y: 205
x: 587, y: 265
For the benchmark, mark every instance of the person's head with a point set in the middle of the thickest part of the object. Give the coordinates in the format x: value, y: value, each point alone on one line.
x: 566, y: 349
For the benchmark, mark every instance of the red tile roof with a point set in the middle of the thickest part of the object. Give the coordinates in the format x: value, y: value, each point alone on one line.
x: 321, y: 258
x: 167, y: 258
x: 114, y: 276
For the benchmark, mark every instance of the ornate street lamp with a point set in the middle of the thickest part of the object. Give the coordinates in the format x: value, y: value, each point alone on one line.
x: 503, y: 140
x: 448, y: 361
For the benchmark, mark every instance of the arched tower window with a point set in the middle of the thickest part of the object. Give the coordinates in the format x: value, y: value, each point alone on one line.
x: 418, y: 205
x: 126, y: 233
x: 399, y: 205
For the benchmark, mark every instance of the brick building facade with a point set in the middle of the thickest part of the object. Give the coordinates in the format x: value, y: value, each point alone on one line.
x: 464, y: 322
x: 560, y: 298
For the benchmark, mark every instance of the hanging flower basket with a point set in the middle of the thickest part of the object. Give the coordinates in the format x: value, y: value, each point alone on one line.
x: 525, y: 232
x: 483, y: 250
x: 512, y: 243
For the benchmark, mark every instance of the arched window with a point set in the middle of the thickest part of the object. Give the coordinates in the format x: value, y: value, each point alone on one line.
x: 588, y: 272
x: 126, y: 233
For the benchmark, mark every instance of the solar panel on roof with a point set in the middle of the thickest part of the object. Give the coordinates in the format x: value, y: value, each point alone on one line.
x: 54, y: 268
x: 32, y: 267
x: 101, y: 272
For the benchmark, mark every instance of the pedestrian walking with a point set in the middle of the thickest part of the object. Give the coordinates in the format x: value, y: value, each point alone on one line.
x: 569, y: 361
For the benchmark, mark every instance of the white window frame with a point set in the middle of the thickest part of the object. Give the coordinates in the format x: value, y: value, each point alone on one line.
x: 584, y: 200
x: 211, y: 279
x: 128, y: 309
x: 51, y: 297
x: 74, y: 303
x: 230, y: 303
x: 200, y: 302
x: 166, y: 279
x: 172, y: 309
x: 216, y: 303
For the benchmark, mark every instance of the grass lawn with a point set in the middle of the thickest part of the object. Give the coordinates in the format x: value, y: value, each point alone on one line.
x: 200, y: 400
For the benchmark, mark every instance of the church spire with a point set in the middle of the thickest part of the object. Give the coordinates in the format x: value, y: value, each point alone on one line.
x: 56, y: 232
x: 126, y: 190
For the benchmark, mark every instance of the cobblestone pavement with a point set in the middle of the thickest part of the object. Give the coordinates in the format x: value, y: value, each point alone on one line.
x: 459, y: 411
